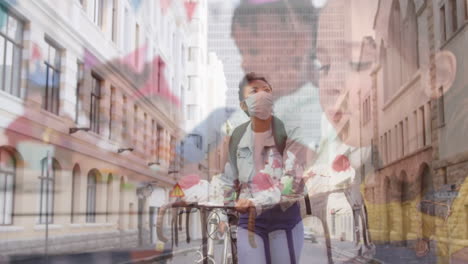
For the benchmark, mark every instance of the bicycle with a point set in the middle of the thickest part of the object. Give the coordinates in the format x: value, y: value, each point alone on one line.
x: 210, y: 220
x: 206, y: 256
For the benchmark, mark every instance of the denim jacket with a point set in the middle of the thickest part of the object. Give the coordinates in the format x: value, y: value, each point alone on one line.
x: 282, y: 175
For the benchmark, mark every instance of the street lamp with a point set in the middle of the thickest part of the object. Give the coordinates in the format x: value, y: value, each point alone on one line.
x: 153, y: 163
x: 145, y: 191
x: 76, y: 129
x: 142, y: 192
x: 120, y: 150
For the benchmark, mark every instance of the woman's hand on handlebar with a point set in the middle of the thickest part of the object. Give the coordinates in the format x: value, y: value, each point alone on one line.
x: 243, y: 205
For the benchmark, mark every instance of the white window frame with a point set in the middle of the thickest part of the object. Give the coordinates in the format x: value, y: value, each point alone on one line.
x: 7, y: 187
x: 47, y: 189
x: 53, y: 65
x: 91, y: 194
x: 11, y: 40
x: 98, y: 12
x: 95, y: 103
x: 76, y: 173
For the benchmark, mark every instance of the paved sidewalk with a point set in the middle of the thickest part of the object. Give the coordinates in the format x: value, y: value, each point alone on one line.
x: 152, y: 256
x: 346, y: 252
x: 147, y: 254
x: 391, y: 254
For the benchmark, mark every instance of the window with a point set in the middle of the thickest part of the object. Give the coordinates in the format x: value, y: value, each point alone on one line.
x: 196, y: 140
x: 423, y: 125
x: 124, y: 118
x: 94, y: 113
x: 453, y: 14
x: 98, y: 10
x: 401, y: 59
x: 137, y: 43
x: 407, y: 140
x: 402, y: 139
x: 159, y: 147
x: 52, y: 89
x: 79, y: 84
x: 111, y: 112
x: 131, y: 213
x: 410, y: 42
x: 11, y: 38
x: 160, y: 72
x: 145, y: 132
x: 389, y: 146
x: 173, y: 44
x: 397, y: 142
x: 126, y: 40
x: 443, y: 27
x: 114, y: 20
x: 466, y: 9
x: 91, y: 197
x: 47, y: 180
x: 393, y: 63
x: 192, y: 112
x: 110, y: 179
x: 182, y: 56
x: 381, y: 153
x: 172, y: 153
x: 366, y: 110
x: 193, y: 54
x: 135, y: 126
x: 181, y: 155
x: 441, y: 107
x: 7, y: 183
x: 415, y: 129
x: 153, y: 140
x: 121, y: 203
x: 75, y: 193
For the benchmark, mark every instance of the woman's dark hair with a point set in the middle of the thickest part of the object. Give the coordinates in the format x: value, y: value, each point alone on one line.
x: 299, y: 16
x: 248, y: 78
x: 246, y: 13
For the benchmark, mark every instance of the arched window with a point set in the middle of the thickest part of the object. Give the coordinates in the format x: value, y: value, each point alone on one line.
x: 91, y: 196
x: 7, y: 182
x: 394, y: 48
x: 131, y: 215
x: 402, y: 48
x: 75, y: 193
x: 121, y: 202
x: 47, y: 179
x: 410, y: 58
x: 109, y: 198
x: 386, y: 82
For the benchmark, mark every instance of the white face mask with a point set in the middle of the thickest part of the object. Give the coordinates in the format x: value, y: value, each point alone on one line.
x: 260, y: 105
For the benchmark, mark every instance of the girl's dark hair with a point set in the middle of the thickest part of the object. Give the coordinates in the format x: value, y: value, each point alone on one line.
x: 248, y: 78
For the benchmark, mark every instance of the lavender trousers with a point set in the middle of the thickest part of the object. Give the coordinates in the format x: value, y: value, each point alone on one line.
x: 279, y: 237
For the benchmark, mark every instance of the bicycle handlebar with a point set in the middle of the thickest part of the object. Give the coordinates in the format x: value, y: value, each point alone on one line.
x: 181, y: 204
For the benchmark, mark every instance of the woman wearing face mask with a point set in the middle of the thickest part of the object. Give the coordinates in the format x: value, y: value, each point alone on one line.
x: 265, y: 168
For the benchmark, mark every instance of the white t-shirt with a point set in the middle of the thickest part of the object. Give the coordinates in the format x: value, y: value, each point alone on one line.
x: 261, y: 139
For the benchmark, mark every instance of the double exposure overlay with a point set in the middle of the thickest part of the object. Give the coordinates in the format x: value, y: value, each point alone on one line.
x: 233, y: 131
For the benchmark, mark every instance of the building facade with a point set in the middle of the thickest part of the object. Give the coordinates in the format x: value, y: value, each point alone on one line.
x: 417, y: 196
x: 90, y: 116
